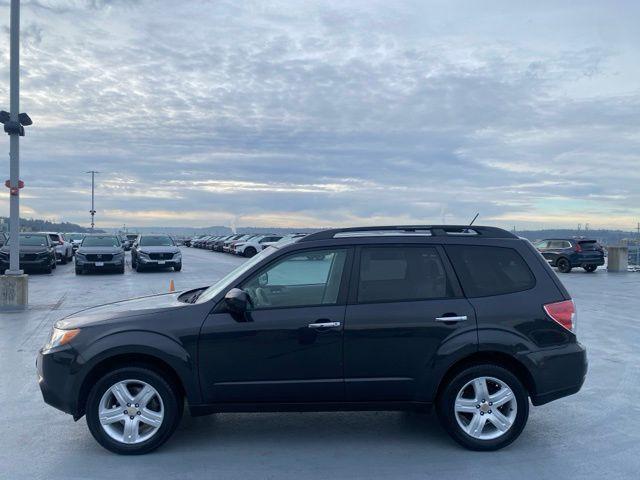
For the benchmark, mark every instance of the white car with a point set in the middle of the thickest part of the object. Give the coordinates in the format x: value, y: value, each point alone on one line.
x: 64, y: 249
x: 253, y: 245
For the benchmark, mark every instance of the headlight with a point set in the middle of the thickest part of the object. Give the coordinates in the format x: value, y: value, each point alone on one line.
x: 60, y: 337
x: 80, y: 255
x: 144, y: 254
x: 118, y: 255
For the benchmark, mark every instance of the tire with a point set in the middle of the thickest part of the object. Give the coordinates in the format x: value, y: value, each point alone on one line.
x: 138, y: 267
x: 63, y: 259
x: 121, y: 270
x: 134, y: 264
x: 590, y: 268
x: 54, y: 265
x: 165, y: 406
x: 48, y: 269
x: 564, y: 266
x: 177, y: 268
x: 457, y: 423
x: 250, y: 252
x: 78, y: 271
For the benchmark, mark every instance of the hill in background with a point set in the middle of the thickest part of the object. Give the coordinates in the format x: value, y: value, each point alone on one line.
x: 36, y: 225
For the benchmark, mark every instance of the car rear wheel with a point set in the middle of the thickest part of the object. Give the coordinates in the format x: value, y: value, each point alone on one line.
x: 63, y: 259
x: 133, y: 410
x: 484, y: 407
x: 563, y: 264
x: 590, y: 268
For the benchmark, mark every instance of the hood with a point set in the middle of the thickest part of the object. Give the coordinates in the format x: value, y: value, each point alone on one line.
x: 112, y: 250
x: 124, y: 309
x: 159, y: 249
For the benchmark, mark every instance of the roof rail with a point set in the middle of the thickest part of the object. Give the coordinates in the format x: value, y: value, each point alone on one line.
x: 410, y: 230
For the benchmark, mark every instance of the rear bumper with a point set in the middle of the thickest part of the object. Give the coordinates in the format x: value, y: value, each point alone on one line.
x: 557, y: 372
x: 582, y: 260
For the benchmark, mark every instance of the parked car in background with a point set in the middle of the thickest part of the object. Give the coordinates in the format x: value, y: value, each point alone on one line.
x: 132, y: 237
x: 250, y: 247
x: 126, y: 244
x: 155, y: 251
x: 219, y: 243
x: 75, y: 239
x: 226, y: 245
x: 187, y: 242
x: 210, y: 241
x: 471, y: 321
x: 200, y: 242
x: 3, y: 238
x: 64, y: 249
x: 100, y: 253
x: 567, y: 253
x: 37, y: 252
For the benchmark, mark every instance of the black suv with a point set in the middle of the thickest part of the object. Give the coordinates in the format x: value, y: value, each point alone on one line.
x: 470, y: 320
x: 567, y: 253
x: 155, y: 251
x: 37, y: 252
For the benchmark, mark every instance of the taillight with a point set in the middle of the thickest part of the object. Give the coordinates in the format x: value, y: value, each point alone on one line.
x: 578, y: 248
x: 563, y: 313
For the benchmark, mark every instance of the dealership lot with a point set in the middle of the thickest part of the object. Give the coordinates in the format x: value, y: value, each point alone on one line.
x: 41, y: 442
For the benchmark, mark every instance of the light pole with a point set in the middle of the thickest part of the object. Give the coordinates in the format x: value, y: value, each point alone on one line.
x: 93, y: 188
x: 14, y: 286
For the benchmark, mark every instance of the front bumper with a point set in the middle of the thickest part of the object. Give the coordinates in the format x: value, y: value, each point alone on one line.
x: 102, y: 265
x: 38, y: 264
x: 557, y: 372
x: 57, y: 380
x: 147, y: 262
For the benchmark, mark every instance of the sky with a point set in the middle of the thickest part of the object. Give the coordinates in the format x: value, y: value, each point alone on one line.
x: 328, y: 113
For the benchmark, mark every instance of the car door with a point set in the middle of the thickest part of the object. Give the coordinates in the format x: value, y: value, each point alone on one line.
x: 396, y: 321
x: 288, y: 345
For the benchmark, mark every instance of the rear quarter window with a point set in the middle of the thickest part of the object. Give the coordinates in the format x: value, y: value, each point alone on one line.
x: 484, y: 271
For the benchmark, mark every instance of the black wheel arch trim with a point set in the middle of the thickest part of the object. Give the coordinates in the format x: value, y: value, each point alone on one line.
x: 138, y: 347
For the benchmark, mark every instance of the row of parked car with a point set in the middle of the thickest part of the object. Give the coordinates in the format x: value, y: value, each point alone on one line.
x: 243, y: 244
x: 92, y: 252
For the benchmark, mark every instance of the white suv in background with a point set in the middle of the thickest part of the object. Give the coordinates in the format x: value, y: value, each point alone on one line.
x: 253, y: 245
x: 64, y: 249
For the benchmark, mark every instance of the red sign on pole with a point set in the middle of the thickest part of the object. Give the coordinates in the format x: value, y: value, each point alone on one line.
x: 8, y: 185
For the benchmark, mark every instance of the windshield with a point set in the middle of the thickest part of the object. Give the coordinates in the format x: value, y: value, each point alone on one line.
x: 221, y: 284
x: 32, y: 240
x: 100, y: 241
x: 156, y: 240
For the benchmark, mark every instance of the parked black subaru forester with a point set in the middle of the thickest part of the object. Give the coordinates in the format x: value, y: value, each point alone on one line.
x: 470, y: 320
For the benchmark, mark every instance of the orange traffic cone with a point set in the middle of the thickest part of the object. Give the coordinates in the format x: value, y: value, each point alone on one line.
x: 172, y: 287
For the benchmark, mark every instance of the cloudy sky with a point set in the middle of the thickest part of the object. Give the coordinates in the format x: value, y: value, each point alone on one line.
x: 329, y: 113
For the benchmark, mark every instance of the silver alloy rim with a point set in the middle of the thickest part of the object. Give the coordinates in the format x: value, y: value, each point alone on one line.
x: 131, y: 411
x: 485, y: 408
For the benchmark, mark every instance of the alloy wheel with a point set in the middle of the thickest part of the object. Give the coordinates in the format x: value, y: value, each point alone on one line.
x: 131, y: 411
x: 485, y: 408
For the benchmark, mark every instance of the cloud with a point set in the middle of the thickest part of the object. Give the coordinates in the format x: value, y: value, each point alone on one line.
x: 332, y: 113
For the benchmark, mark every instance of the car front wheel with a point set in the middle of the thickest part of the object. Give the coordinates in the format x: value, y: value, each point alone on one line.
x: 484, y: 407
x: 133, y: 410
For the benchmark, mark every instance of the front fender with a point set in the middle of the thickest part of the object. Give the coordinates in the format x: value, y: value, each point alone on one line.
x: 153, y: 345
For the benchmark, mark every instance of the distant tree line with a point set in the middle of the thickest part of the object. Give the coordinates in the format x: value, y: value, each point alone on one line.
x: 37, y: 225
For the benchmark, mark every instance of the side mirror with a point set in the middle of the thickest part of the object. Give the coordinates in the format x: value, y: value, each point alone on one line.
x: 237, y: 300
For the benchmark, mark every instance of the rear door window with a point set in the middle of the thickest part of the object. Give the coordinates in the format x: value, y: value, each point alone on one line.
x: 394, y: 274
x: 485, y: 271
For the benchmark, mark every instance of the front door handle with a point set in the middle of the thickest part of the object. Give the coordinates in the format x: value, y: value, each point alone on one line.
x: 457, y: 318
x: 324, y: 325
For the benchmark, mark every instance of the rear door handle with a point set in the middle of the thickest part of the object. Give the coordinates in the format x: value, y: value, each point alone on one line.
x: 458, y: 318
x: 324, y: 325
